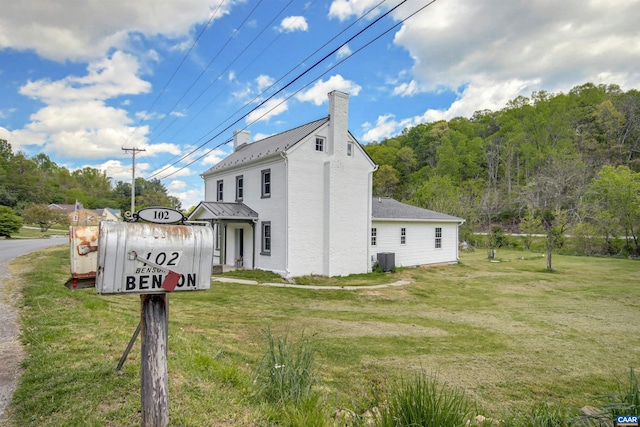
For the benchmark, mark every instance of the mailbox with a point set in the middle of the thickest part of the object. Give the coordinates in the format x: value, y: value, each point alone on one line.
x: 83, y: 256
x: 153, y: 258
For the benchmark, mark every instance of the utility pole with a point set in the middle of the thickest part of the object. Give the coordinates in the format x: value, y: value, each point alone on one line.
x: 133, y: 152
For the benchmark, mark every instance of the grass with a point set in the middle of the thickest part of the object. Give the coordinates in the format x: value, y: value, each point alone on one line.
x: 423, y: 401
x: 33, y: 231
x: 508, y: 334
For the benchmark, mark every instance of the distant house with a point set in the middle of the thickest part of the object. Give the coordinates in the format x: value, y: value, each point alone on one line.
x: 78, y: 215
x: 109, y: 214
x: 300, y: 203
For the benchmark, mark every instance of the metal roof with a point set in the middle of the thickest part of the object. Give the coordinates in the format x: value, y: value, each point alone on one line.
x: 388, y: 208
x: 220, y: 210
x: 268, y: 146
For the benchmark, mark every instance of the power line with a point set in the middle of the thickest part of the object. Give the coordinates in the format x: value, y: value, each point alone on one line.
x: 223, y: 71
x: 202, y: 73
x: 280, y: 79
x: 303, y: 87
x: 184, y: 58
x: 275, y: 93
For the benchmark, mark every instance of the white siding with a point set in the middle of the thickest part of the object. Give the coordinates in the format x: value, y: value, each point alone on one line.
x: 420, y: 242
x: 271, y: 209
x: 329, y: 208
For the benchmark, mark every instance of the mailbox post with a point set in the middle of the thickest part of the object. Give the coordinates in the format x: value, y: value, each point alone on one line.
x: 153, y: 260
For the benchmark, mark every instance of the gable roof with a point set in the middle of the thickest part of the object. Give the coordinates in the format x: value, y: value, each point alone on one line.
x: 386, y: 208
x: 221, y: 210
x: 268, y: 146
x: 64, y: 207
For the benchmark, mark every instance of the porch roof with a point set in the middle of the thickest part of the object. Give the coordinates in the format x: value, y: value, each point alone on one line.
x: 223, y: 211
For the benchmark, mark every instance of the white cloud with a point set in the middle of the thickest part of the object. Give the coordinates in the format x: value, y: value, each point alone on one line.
x: 160, y: 148
x: 76, y: 121
x: 317, y: 94
x: 344, y: 9
x: 172, y: 171
x: 293, y: 23
x: 89, y: 29
x: 271, y: 108
x: 115, y: 169
x: 188, y: 196
x: 106, y: 78
x: 406, y: 89
x: 260, y: 136
x: 516, y: 45
x: 177, y: 185
x: 344, y: 51
x: 385, y: 127
x: 481, y: 95
x: 214, y: 157
x: 264, y: 81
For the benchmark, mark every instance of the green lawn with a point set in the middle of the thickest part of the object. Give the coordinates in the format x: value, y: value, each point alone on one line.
x: 33, y: 231
x: 508, y: 333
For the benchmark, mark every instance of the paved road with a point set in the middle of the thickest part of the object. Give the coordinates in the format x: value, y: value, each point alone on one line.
x: 10, y: 249
x: 10, y: 349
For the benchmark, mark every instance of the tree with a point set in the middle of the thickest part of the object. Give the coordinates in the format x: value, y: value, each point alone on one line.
x: 554, y: 194
x: 530, y: 224
x: 10, y: 223
x: 41, y: 214
x: 616, y: 192
x: 439, y: 194
x: 385, y: 181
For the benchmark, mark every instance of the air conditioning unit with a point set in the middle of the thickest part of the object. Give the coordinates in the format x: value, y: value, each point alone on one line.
x: 387, y: 260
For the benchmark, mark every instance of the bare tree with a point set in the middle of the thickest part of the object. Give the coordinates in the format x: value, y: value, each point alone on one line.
x: 554, y: 195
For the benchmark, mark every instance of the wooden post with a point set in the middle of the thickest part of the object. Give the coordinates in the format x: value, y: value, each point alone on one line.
x: 154, y: 384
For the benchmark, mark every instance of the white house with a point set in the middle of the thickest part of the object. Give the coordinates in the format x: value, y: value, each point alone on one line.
x: 300, y: 203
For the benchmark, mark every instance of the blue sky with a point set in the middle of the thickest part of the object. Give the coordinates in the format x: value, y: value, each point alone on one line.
x: 79, y: 80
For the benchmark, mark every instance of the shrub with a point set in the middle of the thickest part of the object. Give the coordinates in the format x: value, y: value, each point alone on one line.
x: 542, y: 414
x: 10, y: 223
x: 422, y: 401
x: 284, y: 374
x: 626, y: 400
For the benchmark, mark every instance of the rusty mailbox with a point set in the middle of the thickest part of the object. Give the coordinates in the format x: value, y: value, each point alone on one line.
x: 83, y: 256
x: 153, y: 258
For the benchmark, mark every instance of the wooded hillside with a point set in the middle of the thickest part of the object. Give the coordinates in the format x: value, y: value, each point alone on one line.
x: 26, y: 180
x: 552, y: 162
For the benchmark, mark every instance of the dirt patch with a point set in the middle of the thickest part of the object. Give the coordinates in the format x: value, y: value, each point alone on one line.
x: 11, y: 351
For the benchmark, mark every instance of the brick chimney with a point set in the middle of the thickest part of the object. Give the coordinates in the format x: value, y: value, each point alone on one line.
x: 240, y: 138
x: 338, y: 122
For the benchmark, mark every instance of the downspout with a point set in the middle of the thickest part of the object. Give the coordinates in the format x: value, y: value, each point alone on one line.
x: 253, y: 228
x: 370, y: 216
x: 286, y: 211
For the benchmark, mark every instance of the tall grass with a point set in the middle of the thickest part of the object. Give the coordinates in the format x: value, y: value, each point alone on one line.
x: 284, y: 375
x: 423, y: 401
x: 542, y: 414
x: 626, y: 400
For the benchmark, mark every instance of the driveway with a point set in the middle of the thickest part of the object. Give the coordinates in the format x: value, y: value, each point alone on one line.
x: 11, y: 352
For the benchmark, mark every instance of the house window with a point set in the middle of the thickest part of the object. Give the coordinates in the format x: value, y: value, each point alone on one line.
x: 219, y: 190
x: 239, y: 187
x: 438, y: 237
x: 266, y: 183
x: 349, y: 149
x: 266, y: 238
x: 319, y: 144
x: 403, y: 236
x: 374, y: 236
